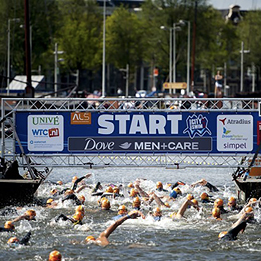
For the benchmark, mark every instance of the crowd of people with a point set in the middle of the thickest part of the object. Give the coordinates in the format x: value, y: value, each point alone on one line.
x: 168, y: 201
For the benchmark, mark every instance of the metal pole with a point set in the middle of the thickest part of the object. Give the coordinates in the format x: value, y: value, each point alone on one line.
x: 170, y: 57
x: 253, y: 77
x: 55, y: 68
x: 174, y: 55
x: 242, y: 68
x: 8, y: 56
x: 188, y: 59
x: 127, y: 80
x: 103, y: 54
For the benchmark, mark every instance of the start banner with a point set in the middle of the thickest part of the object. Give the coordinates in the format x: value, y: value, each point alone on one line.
x: 137, y: 132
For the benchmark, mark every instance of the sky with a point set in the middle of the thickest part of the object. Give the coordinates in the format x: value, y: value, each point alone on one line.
x: 244, y: 4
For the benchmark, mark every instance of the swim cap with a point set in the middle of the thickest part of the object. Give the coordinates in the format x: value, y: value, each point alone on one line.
x: 116, y: 190
x: 204, y: 196
x: 105, y: 204
x: 159, y: 185
x: 31, y: 213
x: 133, y: 192
x: 178, y: 191
x: 49, y: 201
x: 109, y: 189
x: 190, y: 197
x: 82, y: 199
x: 130, y: 185
x: 231, y: 201
x: 79, y: 209
x: 136, y: 202
x: 218, y: 202
x: 54, y: 191
x: 157, y: 210
x: 222, y: 234
x: 248, y: 209
x: 59, y: 182
x: 252, y: 200
x: 9, y: 225
x: 78, y: 216
x: 173, y: 194
x: 13, y: 240
x: 194, y: 201
x: 122, y: 209
x: 68, y: 192
x: 55, y: 256
x: 167, y: 204
x: 89, y: 238
x: 74, y: 179
x: 216, y: 212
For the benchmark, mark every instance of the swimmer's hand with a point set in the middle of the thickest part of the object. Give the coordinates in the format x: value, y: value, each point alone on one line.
x: 136, y: 213
x: 88, y: 175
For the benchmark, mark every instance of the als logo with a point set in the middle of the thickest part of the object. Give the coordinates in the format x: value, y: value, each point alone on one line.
x: 197, y: 125
x: 225, y: 130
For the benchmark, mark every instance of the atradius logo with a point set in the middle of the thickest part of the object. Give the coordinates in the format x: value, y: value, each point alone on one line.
x: 197, y: 125
x: 225, y: 130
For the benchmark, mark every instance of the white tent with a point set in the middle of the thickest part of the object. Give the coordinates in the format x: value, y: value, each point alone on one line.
x: 18, y: 84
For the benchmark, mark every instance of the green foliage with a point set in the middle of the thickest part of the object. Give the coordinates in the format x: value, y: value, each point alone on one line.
x: 124, y: 34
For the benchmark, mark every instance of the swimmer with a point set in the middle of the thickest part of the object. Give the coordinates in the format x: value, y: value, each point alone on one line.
x: 141, y: 192
x: 8, y: 227
x: 50, y: 203
x: 220, y: 204
x: 122, y: 211
x: 159, y: 187
x: 157, y: 214
x: 28, y: 215
x: 232, y: 204
x: 205, y: 198
x: 55, y: 256
x: 80, y: 181
x: 183, y: 208
x: 205, y: 183
x: 14, y: 241
x: 233, y: 232
x: 102, y: 240
x: 136, y: 203
x: 157, y: 199
x: 69, y: 195
x: 177, y: 183
x: 216, y: 213
x: 76, y: 219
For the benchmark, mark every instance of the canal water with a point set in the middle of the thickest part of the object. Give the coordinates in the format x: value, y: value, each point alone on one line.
x: 193, y: 238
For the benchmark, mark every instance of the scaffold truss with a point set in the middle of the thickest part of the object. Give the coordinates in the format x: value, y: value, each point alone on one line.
x: 10, y: 107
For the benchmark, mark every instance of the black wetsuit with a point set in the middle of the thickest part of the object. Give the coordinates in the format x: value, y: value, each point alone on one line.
x: 73, y: 198
x: 25, y: 239
x: 75, y: 184
x: 65, y: 218
x: 3, y: 229
x: 232, y: 233
x: 211, y: 187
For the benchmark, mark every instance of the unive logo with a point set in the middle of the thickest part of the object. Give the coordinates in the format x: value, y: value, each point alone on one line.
x: 38, y: 120
x: 197, y: 125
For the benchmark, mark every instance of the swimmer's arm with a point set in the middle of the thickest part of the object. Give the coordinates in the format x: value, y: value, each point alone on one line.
x: 158, y: 200
x: 81, y: 188
x: 184, y: 207
x: 106, y: 233
x: 140, y: 190
x: 24, y: 216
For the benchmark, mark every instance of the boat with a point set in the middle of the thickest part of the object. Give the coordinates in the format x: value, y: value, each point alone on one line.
x: 16, y: 189
x: 248, y: 180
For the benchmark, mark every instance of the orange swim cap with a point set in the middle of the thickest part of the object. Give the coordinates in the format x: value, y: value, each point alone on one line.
x: 222, y: 234
x: 116, y: 190
x: 190, y: 197
x: 252, y: 200
x: 204, y: 196
x: 79, y: 209
x: 31, y: 213
x: 82, y: 199
x: 13, y: 240
x: 231, y: 201
x: 178, y: 191
x: 194, y: 201
x: 133, y: 193
x: 218, y: 202
x: 78, y: 216
x: 109, y: 189
x: 216, y: 212
x: 248, y: 209
x: 89, y: 238
x: 74, y: 179
x: 106, y: 204
x: 55, y: 256
x: 59, y: 182
x: 9, y: 225
x: 159, y: 185
x: 130, y: 185
x: 49, y: 201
